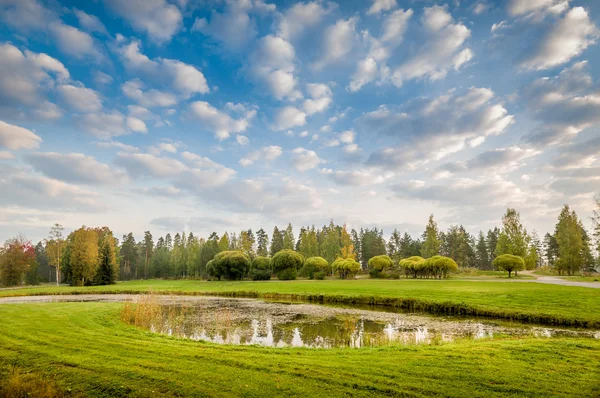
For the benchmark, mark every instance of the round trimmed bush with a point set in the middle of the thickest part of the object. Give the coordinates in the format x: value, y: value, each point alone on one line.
x: 312, y: 265
x: 345, y: 267
x: 509, y: 263
x: 378, y: 265
x: 262, y: 268
x: 286, y: 264
x: 320, y: 275
x: 412, y: 265
x: 230, y: 265
x: 440, y: 266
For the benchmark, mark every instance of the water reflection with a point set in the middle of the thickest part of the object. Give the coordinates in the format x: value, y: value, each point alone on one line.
x: 227, y: 321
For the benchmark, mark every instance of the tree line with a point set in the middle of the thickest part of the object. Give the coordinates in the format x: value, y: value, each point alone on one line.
x: 94, y: 256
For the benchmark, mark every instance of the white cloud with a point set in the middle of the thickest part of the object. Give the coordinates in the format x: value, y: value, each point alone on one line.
x: 564, y: 105
x: 338, y: 41
x: 567, y: 38
x: 242, y: 140
x: 288, y: 117
x: 356, y: 177
x: 321, y: 98
x: 443, y: 48
x: 74, y: 168
x: 272, y: 64
x: 91, y: 23
x: 145, y: 164
x: 301, y: 16
x: 366, y: 72
x: 159, y: 19
x: 150, y: 98
x: 172, y: 74
x: 381, y: 5
x: 74, y: 42
x: 434, y: 128
x: 118, y: 145
x: 80, y: 99
x: 304, y: 159
x: 233, y: 27
x: 14, y: 137
x: 347, y: 137
x: 6, y: 155
x: 26, y: 15
x: 26, y: 77
x: 267, y: 153
x: 500, y: 160
x: 106, y: 125
x: 531, y: 7
x: 219, y: 122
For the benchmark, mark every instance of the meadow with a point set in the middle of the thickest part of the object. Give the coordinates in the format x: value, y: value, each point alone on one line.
x: 84, y: 349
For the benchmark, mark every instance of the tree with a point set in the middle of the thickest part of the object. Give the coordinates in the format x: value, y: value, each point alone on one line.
x: 107, y: 270
x: 345, y: 267
x: 314, y: 265
x: 379, y: 264
x: 393, y: 246
x: 509, y: 263
x: 347, y: 249
x: 438, y: 267
x: 224, y: 242
x: 569, y: 237
x: 550, y: 249
x: 230, y: 265
x: 513, y: 238
x: 129, y: 256
x: 481, y: 253
x: 289, y: 241
x: 247, y: 242
x: 309, y: 247
x: 84, y: 256
x: 372, y: 245
x: 330, y: 247
x: 531, y: 259
x: 286, y: 264
x: 41, y: 258
x: 276, y: 241
x: 412, y: 265
x: 55, y: 247
x: 262, y: 268
x: 148, y: 251
x: 431, y: 239
x: 208, y: 252
x: 262, y: 241
x: 17, y: 257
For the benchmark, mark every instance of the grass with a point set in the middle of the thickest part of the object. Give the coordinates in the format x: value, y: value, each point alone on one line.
x: 529, y: 302
x: 87, y: 351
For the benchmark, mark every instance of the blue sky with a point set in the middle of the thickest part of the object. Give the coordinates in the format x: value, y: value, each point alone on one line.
x: 219, y: 115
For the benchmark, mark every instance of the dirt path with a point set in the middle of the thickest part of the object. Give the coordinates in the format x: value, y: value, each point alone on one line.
x: 553, y: 280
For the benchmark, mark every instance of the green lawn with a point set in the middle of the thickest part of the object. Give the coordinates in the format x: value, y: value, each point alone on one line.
x: 86, y: 350
x: 511, y: 300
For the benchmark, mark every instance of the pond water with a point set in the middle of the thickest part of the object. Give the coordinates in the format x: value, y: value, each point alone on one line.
x: 276, y: 324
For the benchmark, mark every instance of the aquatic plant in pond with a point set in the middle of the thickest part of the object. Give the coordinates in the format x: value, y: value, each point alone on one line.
x: 247, y: 321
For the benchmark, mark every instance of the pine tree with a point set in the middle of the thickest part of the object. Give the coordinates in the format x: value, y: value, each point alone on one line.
x: 482, y: 254
x: 288, y: 238
x: 276, y: 241
x: 262, y: 241
x: 570, y: 242
x: 431, y: 239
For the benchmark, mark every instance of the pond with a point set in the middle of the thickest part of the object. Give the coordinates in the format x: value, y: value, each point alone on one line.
x: 277, y: 324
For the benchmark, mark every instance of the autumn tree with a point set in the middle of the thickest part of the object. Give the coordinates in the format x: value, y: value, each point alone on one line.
x: 84, y: 256
x: 17, y: 257
x: 347, y: 247
x: 378, y: 265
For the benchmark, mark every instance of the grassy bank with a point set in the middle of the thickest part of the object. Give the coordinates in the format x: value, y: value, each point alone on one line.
x: 528, y: 302
x: 86, y: 350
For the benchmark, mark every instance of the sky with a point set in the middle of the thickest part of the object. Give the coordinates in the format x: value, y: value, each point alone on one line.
x: 223, y: 115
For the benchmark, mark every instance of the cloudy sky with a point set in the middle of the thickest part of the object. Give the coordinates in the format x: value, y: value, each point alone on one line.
x: 215, y: 115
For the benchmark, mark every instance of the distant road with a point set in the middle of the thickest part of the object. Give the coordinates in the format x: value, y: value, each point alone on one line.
x: 552, y: 280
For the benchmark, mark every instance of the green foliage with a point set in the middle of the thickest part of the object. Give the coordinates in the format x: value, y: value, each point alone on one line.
x: 513, y: 238
x: 509, y: 263
x: 107, y: 271
x: 286, y: 264
x: 379, y: 264
x: 330, y: 247
x: 276, y: 241
x: 431, y: 239
x: 412, y: 265
x: 345, y: 267
x: 262, y: 268
x: 320, y: 275
x: 84, y: 256
x: 230, y: 265
x: 313, y: 265
x: 439, y: 267
x: 372, y: 244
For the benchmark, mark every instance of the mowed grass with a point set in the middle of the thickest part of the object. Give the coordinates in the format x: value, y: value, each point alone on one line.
x: 87, y: 351
x: 511, y: 300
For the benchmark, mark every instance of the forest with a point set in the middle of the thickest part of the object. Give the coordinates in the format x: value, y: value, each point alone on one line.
x: 94, y: 256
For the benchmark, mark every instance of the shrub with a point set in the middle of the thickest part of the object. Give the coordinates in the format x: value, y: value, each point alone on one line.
x: 345, y: 267
x: 509, y: 263
x: 286, y: 264
x: 412, y: 265
x: 313, y: 265
x: 230, y: 265
x: 378, y: 265
x: 439, y: 267
x: 262, y: 268
x: 320, y: 275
